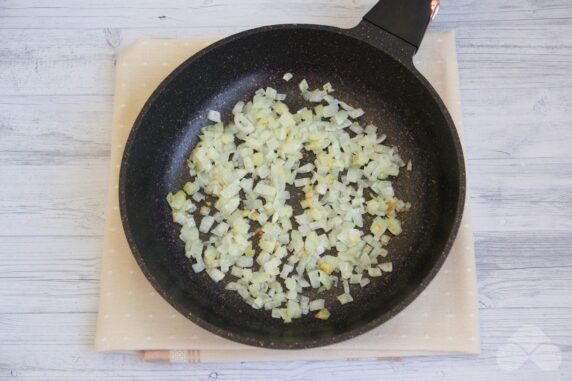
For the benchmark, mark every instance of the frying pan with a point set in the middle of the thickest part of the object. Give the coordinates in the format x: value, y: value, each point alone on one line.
x: 370, y: 66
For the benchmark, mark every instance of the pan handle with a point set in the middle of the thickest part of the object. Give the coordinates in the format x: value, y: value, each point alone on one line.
x: 405, y: 19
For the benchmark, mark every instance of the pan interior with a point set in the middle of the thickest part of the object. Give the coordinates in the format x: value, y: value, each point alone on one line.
x: 393, y: 99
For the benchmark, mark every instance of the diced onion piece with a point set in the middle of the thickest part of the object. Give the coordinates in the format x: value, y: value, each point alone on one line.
x: 290, y: 283
x: 264, y: 190
x: 285, y: 315
x: 345, y: 298
x: 302, y: 182
x: 309, y: 167
x: 355, y: 278
x: 317, y: 304
x: 245, y: 261
x: 356, y: 113
x: 195, y: 250
x: 394, y: 226
x: 176, y: 201
x: 340, y: 117
x: 378, y: 227
x: 346, y: 106
x: 323, y: 314
x: 214, y: 116
x: 191, y: 187
x: 272, y: 264
x: 231, y: 189
x: 330, y: 110
x: 215, y: 274
x: 236, y: 271
x: 314, y: 279
x: 386, y: 267
x: 287, y: 77
x: 271, y: 93
x: 286, y: 270
x: 220, y: 229
x: 206, y: 224
x: 238, y: 107
x: 276, y: 313
x: 198, y: 196
x: 293, y: 309
x: 346, y: 286
x: 385, y: 239
x: 198, y: 267
x: 373, y: 272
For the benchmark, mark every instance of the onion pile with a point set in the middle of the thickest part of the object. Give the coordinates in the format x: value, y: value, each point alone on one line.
x: 275, y: 249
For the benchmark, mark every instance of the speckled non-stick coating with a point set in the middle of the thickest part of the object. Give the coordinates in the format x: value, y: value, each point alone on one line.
x: 368, y: 68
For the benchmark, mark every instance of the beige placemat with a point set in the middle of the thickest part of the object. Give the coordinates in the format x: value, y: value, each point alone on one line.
x: 132, y: 316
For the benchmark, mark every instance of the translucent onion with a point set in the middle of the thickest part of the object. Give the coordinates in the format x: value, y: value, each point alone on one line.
x: 243, y: 175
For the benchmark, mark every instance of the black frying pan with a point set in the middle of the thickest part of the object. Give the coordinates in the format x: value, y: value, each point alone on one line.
x: 369, y: 66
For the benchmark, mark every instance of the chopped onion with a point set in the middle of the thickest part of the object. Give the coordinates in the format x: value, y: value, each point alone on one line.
x: 394, y: 226
x: 355, y: 278
x: 314, y: 279
x: 198, y: 267
x: 345, y: 298
x: 271, y: 93
x: 373, y: 272
x: 317, y: 304
x: 245, y: 173
x: 198, y: 197
x: 220, y: 229
x: 214, y: 116
x: 206, y: 224
x: 346, y: 286
x: 215, y: 274
x: 356, y: 113
x: 323, y: 314
x: 386, y: 267
x: 293, y: 309
x: 340, y: 117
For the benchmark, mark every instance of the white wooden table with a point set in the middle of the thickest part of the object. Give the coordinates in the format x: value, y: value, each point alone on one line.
x: 56, y: 93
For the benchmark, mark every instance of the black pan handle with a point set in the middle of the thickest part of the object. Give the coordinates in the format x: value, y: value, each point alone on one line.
x: 405, y: 19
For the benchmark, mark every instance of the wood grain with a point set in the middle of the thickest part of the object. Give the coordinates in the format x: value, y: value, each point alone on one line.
x: 56, y: 94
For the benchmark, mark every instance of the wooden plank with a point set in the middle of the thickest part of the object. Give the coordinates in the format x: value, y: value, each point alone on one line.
x: 51, y: 200
x: 522, y: 250
x: 63, y: 62
x: 75, y: 331
x: 55, y: 130
x: 176, y: 13
x: 52, y: 274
